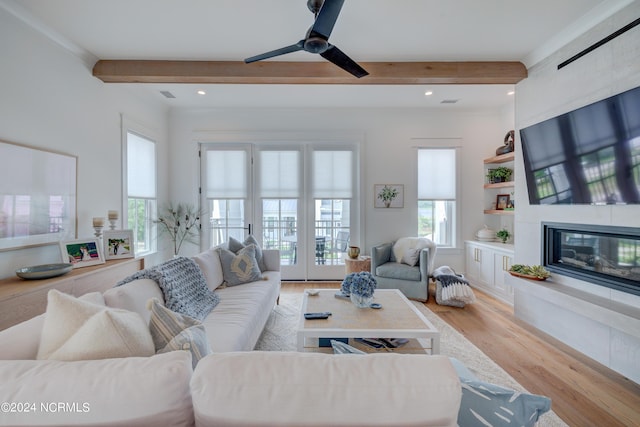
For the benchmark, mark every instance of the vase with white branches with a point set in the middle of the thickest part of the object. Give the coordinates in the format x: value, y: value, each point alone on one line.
x: 181, y: 223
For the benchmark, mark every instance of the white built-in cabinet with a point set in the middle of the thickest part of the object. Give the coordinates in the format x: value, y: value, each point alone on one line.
x: 486, y: 264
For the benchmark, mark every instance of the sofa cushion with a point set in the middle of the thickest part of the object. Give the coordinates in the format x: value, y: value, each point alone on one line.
x: 394, y: 270
x: 79, y: 330
x: 132, y: 392
x: 209, y: 263
x: 21, y: 341
x: 239, y: 268
x: 312, y: 389
x: 173, y: 331
x: 235, y: 246
x: 134, y: 296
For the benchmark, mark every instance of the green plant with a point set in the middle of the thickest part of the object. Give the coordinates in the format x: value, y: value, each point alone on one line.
x: 181, y: 223
x: 503, y: 235
x: 500, y: 174
x: 533, y: 270
x: 387, y: 194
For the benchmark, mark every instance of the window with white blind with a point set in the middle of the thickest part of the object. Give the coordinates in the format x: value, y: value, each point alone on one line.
x: 141, y: 191
x: 332, y: 193
x: 437, y: 195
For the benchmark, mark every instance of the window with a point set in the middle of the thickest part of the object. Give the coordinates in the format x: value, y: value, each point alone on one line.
x: 437, y: 195
x: 141, y: 191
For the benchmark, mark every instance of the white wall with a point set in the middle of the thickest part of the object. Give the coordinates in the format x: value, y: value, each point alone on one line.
x: 548, y: 92
x: 50, y: 100
x: 388, y: 154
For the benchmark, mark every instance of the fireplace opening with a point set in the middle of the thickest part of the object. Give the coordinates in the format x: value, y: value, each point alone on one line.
x: 605, y: 255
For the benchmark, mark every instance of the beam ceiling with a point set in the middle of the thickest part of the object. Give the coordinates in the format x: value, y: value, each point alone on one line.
x: 279, y: 72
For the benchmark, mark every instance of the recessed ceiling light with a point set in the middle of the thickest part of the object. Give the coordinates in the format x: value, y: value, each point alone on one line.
x: 511, y: 92
x: 428, y: 93
x: 201, y: 92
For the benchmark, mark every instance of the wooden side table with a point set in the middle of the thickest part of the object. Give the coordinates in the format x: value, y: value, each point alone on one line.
x: 355, y: 265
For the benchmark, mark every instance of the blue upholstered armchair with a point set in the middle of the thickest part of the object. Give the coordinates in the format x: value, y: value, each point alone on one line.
x: 413, y: 281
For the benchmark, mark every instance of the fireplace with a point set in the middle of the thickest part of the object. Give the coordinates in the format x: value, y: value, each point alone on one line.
x: 605, y: 255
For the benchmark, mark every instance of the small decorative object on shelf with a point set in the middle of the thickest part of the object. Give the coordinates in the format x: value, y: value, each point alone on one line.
x: 508, y: 144
x: 533, y: 272
x: 503, y: 235
x: 113, y: 218
x: 360, y: 287
x: 98, y: 225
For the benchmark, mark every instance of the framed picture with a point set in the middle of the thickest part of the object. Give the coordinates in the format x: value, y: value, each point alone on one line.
x: 82, y: 253
x: 388, y: 195
x: 118, y: 244
x: 37, y: 196
x: 502, y: 201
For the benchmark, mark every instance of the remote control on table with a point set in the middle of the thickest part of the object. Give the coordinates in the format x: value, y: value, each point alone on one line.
x: 323, y: 315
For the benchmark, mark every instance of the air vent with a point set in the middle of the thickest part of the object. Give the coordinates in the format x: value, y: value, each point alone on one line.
x: 449, y: 101
x: 167, y: 94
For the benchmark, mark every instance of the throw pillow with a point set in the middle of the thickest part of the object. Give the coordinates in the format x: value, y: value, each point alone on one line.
x: 241, y: 267
x: 411, y: 257
x: 209, y: 263
x: 74, y: 329
x: 235, y: 245
x: 489, y: 404
x: 172, y: 331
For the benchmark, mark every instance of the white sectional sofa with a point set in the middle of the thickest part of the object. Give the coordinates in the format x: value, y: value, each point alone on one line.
x: 231, y: 387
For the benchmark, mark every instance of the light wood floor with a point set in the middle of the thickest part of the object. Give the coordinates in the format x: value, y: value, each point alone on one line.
x: 584, y: 393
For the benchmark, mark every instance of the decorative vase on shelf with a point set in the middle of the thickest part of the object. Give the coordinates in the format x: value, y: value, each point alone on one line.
x: 361, y: 301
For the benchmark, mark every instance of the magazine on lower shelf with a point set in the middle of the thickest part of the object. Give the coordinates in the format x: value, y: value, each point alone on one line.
x: 383, y: 342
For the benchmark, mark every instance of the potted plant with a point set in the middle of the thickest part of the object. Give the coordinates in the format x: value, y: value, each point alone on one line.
x: 387, y: 194
x: 503, y: 235
x: 181, y: 223
x: 500, y: 174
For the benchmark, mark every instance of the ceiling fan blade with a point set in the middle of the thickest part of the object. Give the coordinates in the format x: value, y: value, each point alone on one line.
x: 283, y: 50
x: 327, y: 17
x: 339, y: 58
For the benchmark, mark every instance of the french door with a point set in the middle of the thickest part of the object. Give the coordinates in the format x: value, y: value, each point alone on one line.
x: 295, y: 197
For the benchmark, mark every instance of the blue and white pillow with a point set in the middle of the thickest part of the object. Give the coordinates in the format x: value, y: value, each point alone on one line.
x: 172, y: 331
x: 235, y: 246
x: 488, y: 404
x: 241, y: 267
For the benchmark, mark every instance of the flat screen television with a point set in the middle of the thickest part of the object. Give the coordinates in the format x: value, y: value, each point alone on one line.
x: 587, y: 156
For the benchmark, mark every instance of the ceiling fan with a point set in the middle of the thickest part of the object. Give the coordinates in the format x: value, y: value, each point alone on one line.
x: 317, y: 38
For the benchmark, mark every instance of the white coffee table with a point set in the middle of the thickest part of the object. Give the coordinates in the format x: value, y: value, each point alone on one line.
x: 398, y: 318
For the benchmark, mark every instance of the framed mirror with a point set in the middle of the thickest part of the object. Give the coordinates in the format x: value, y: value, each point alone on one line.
x: 37, y: 196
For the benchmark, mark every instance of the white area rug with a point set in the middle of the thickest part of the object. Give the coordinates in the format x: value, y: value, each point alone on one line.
x: 280, y: 335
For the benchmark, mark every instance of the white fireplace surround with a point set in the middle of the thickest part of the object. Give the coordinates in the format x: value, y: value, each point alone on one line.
x: 606, y: 330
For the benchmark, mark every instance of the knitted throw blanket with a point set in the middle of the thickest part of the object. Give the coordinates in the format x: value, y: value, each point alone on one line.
x: 454, y: 287
x: 183, y: 286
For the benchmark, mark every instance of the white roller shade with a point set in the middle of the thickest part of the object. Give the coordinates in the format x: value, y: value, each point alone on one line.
x: 141, y: 167
x: 279, y: 174
x: 226, y: 174
x: 437, y: 174
x: 332, y: 174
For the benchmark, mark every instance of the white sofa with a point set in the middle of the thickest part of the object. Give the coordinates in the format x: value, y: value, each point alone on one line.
x: 232, y: 386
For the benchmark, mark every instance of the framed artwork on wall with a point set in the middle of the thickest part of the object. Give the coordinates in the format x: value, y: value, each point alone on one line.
x: 118, y: 244
x: 37, y: 196
x: 388, y: 195
x: 82, y: 253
